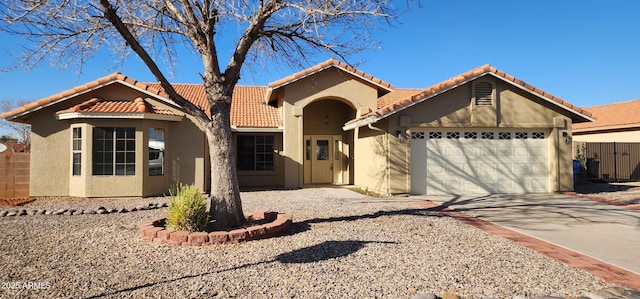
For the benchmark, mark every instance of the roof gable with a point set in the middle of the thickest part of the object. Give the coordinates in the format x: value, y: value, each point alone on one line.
x: 82, y: 89
x: 248, y: 108
x: 580, y: 115
x: 382, y: 86
x: 612, y: 116
x: 100, y: 108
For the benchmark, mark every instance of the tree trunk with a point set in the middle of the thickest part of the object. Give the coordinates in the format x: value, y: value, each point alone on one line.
x: 226, y: 206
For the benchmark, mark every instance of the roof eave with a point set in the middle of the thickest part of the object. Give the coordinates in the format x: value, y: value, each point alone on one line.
x: 62, y: 99
x: 585, y: 118
x: 378, y: 86
x: 257, y: 129
x: 361, y: 123
x: 112, y: 115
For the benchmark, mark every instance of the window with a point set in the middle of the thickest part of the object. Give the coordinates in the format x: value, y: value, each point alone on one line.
x: 537, y: 135
x: 504, y: 135
x: 255, y: 152
x: 487, y: 135
x: 483, y: 91
x: 521, y: 135
x: 470, y: 135
x: 322, y: 150
x: 435, y: 135
x: 76, y: 149
x: 417, y: 135
x: 156, y: 151
x: 114, y: 151
x: 453, y: 135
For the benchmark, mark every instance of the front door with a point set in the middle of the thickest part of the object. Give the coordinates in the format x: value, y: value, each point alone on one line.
x: 323, y: 159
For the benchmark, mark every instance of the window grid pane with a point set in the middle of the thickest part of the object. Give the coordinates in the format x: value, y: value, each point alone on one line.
x: 76, y: 150
x: 114, y: 144
x: 255, y: 152
x: 156, y: 151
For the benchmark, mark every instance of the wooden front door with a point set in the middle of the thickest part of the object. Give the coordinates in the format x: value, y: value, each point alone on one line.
x: 323, y: 159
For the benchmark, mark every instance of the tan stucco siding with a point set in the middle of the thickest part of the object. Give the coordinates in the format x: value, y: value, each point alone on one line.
x: 50, y: 156
x: 399, y: 156
x: 334, y: 84
x: 627, y: 136
x: 330, y: 84
x: 371, y: 159
x: 186, y: 147
x: 518, y: 108
x: 455, y: 109
x: 450, y: 109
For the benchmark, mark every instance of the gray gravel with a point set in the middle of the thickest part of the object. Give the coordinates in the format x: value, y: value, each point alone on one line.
x: 621, y: 192
x: 338, y: 248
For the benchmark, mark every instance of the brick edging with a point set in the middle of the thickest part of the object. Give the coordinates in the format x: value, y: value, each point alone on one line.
x: 606, y: 271
x: 14, y: 202
x: 605, y: 201
x: 155, y: 231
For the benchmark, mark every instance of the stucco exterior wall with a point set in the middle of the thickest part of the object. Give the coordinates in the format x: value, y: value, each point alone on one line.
x: 331, y: 84
x: 626, y: 136
x: 50, y: 158
x: 512, y: 109
x: 371, y: 159
x: 51, y: 145
x: 185, y: 154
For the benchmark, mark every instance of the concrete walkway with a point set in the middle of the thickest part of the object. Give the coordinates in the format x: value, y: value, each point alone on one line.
x: 604, y: 232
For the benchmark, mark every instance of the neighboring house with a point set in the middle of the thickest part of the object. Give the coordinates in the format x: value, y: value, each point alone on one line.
x: 480, y: 132
x: 616, y: 122
x: 609, y: 147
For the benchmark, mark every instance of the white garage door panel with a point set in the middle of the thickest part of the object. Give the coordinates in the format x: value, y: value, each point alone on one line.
x: 464, y: 163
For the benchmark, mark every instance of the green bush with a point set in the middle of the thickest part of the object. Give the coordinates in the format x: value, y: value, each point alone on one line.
x: 187, y: 209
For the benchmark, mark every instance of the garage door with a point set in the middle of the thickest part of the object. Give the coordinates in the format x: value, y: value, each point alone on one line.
x: 475, y: 162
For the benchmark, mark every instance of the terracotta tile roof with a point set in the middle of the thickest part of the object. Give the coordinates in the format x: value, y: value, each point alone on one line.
x: 98, y: 105
x: 612, y: 116
x: 459, y: 80
x: 332, y: 62
x: 248, y: 108
x: 115, y: 77
x: 396, y: 95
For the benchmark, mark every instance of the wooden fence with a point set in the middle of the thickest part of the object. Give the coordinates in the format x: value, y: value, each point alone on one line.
x: 14, y: 174
x: 610, y: 161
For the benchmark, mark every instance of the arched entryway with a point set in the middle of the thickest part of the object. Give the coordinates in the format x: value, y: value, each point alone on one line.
x: 328, y: 149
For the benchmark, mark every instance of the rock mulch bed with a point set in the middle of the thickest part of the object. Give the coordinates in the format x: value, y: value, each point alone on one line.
x: 276, y: 223
x: 337, y: 248
x: 79, y: 211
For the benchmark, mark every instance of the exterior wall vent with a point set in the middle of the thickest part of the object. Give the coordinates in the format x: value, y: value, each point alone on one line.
x: 483, y: 92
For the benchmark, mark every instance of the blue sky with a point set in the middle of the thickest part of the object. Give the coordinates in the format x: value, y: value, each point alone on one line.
x: 586, y: 52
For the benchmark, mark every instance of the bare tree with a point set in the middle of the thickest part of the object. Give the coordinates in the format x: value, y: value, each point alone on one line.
x: 288, y: 31
x: 20, y: 131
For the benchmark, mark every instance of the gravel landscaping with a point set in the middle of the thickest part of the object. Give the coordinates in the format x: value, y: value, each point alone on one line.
x: 337, y: 248
x: 628, y: 193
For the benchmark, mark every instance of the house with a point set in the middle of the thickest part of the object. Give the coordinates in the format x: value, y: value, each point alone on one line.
x: 482, y: 131
x: 616, y: 122
x: 609, y: 147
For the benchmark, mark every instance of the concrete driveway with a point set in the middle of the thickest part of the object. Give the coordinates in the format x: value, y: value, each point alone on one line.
x: 605, y: 232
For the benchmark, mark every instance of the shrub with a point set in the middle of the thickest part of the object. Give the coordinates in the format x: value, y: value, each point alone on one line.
x: 187, y: 209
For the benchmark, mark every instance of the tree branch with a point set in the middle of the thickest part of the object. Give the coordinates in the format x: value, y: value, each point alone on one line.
x: 112, y: 16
